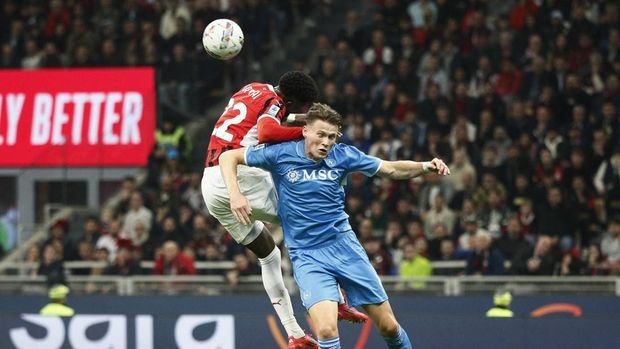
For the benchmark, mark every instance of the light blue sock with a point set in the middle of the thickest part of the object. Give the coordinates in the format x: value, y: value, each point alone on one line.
x: 400, y: 341
x: 329, y: 343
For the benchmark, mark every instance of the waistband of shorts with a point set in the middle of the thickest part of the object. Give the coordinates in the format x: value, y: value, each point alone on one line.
x: 340, y: 237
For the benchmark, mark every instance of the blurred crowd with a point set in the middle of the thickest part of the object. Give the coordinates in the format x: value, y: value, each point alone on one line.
x: 165, y: 34
x: 520, y: 98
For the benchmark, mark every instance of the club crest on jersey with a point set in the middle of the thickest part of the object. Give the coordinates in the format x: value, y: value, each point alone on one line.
x: 330, y: 162
x: 293, y: 176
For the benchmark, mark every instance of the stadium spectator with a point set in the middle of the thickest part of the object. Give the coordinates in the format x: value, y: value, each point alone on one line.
x: 414, y: 265
x: 539, y: 260
x: 124, y: 264
x: 378, y: 256
x: 447, y: 251
x: 555, y: 219
x: 610, y: 245
x: 114, y: 238
x: 243, y: 267
x: 169, y: 230
x: 58, y: 238
x: 86, y: 251
x: 460, y: 167
x: 138, y: 220
x: 379, y: 53
x: 171, y: 261
x: 511, y: 242
x: 596, y: 263
x: 466, y: 241
x: 128, y: 187
x: 193, y: 195
x: 33, y: 259
x: 91, y: 232
x: 485, y: 259
x: 201, y: 236
x: 51, y: 265
x: 607, y: 182
x: 493, y: 215
x: 440, y: 233
x: 570, y: 264
x: 438, y: 213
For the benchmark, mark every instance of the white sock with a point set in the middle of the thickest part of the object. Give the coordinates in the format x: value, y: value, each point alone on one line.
x: 273, y: 282
x: 341, y: 300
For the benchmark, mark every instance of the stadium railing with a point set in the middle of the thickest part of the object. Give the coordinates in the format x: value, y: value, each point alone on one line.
x: 218, y: 284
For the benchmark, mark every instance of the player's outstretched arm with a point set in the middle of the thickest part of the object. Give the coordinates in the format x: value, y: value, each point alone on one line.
x: 239, y: 204
x: 405, y: 169
x: 270, y: 131
x: 295, y: 119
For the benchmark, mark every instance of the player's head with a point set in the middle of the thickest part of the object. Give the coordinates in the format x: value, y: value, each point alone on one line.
x: 58, y: 293
x: 298, y: 90
x: 502, y: 298
x: 321, y: 130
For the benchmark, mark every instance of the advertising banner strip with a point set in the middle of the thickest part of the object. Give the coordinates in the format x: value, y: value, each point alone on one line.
x: 76, y: 117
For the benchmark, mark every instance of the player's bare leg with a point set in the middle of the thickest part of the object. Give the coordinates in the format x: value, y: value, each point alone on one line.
x: 324, y: 315
x: 271, y: 269
x: 385, y: 322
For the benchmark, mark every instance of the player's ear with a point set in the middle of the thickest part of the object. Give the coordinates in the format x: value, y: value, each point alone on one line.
x: 304, y: 130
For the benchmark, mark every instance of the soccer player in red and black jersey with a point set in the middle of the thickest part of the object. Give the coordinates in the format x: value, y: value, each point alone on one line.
x: 255, y: 115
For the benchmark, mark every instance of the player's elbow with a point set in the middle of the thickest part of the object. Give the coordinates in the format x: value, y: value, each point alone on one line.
x: 387, y: 170
x: 263, y: 137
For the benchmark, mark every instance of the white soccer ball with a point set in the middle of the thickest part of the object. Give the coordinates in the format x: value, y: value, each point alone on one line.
x: 222, y: 39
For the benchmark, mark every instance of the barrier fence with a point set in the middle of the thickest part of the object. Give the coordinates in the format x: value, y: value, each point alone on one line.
x: 217, y: 284
x: 247, y: 321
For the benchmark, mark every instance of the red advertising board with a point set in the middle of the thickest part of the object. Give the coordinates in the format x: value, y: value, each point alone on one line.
x: 76, y: 117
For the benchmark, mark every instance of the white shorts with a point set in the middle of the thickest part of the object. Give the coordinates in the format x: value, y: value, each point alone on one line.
x: 256, y: 185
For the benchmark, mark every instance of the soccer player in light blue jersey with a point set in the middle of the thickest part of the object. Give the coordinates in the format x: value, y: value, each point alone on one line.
x: 325, y: 252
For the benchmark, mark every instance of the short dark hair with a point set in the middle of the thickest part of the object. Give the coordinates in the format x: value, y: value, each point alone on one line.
x: 320, y: 111
x: 299, y: 85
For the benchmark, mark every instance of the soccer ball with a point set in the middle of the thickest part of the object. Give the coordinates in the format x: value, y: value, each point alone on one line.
x: 222, y: 39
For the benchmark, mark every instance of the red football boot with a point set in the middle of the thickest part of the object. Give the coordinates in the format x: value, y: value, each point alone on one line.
x: 347, y: 313
x: 305, y: 342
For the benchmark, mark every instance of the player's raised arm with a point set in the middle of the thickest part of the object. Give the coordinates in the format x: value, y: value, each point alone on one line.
x: 239, y: 204
x: 405, y: 169
x: 269, y: 130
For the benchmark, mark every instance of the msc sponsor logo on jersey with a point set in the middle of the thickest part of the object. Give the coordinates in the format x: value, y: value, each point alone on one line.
x: 312, y: 175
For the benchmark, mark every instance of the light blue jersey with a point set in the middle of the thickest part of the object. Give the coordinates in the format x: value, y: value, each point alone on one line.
x: 310, y: 194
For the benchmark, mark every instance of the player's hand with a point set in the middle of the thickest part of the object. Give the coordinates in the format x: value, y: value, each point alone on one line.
x: 296, y: 119
x: 438, y: 166
x: 241, y: 209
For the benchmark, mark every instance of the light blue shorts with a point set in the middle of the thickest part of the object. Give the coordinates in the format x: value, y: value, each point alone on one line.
x: 319, y: 271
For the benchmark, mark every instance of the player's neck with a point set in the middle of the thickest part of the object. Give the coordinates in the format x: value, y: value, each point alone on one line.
x: 308, y: 154
x: 278, y: 91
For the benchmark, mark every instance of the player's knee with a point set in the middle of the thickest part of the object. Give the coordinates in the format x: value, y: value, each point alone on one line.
x: 328, y: 330
x: 388, y: 327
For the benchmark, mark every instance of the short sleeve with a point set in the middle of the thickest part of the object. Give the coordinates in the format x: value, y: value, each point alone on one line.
x: 356, y: 160
x: 274, y: 108
x: 261, y: 155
